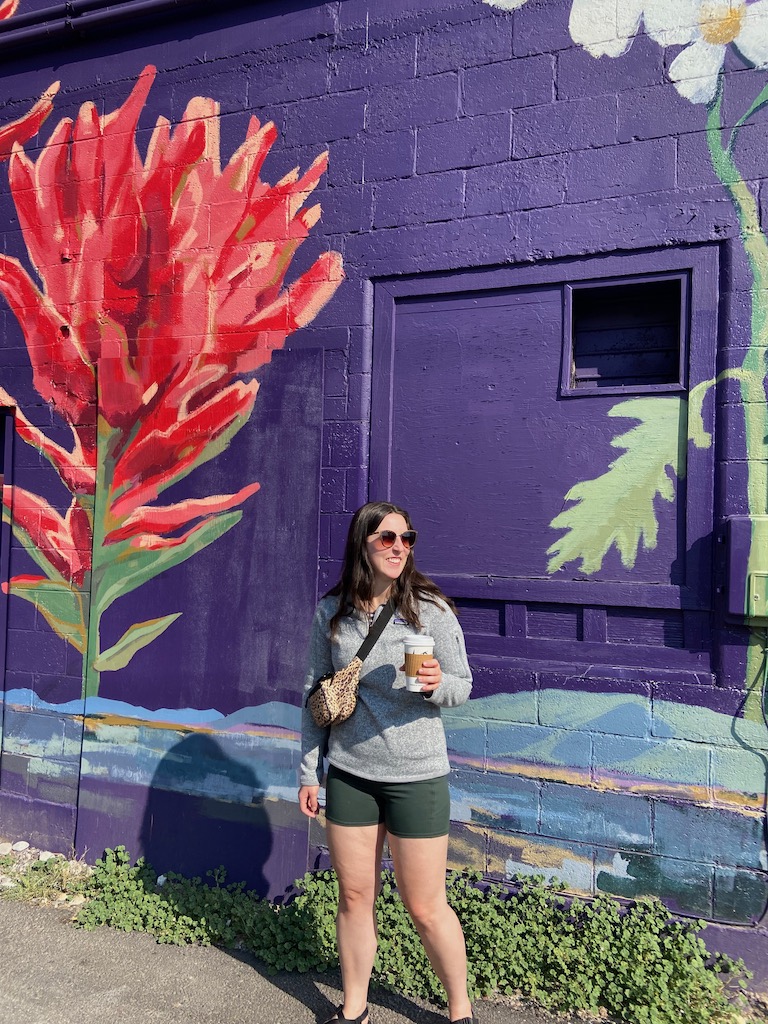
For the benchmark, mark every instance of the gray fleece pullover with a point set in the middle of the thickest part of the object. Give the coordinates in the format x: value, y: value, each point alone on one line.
x: 394, y: 735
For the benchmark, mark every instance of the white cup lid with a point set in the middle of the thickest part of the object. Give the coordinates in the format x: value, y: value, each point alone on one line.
x: 419, y: 641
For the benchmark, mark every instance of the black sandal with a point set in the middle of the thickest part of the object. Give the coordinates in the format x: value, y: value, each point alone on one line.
x: 464, y: 1020
x: 339, y: 1018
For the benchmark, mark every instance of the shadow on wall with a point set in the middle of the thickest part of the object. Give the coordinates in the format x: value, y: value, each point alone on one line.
x: 205, y: 809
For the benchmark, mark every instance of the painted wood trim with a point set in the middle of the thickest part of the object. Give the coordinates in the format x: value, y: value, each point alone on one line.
x: 545, y: 591
x: 571, y: 652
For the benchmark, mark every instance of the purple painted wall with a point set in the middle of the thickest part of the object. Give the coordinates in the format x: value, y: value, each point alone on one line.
x: 486, y: 169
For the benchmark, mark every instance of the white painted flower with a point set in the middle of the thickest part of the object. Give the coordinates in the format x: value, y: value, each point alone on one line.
x: 720, y: 23
x: 505, y: 5
x: 706, y: 28
x: 606, y: 28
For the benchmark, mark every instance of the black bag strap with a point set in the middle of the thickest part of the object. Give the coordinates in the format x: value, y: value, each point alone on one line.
x: 376, y: 630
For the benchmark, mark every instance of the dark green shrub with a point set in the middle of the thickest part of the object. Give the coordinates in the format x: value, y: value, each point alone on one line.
x: 639, y: 965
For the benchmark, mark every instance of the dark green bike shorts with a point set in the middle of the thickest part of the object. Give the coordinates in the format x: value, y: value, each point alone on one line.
x: 410, y: 810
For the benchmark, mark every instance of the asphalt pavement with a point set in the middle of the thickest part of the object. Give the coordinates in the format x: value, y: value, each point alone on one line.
x: 54, y: 973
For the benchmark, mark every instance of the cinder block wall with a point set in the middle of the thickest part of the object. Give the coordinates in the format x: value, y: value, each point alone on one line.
x: 471, y: 142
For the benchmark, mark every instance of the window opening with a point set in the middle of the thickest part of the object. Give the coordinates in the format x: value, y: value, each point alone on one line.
x: 626, y: 335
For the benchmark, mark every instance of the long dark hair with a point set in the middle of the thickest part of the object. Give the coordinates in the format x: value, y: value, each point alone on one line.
x: 355, y: 586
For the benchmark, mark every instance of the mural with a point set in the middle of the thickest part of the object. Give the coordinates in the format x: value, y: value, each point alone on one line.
x: 149, y: 280
x: 23, y: 128
x: 619, y: 508
x: 625, y: 495
x: 162, y: 279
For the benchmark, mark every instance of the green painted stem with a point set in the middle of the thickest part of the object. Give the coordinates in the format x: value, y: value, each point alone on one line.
x: 104, y: 464
x: 84, y: 676
x: 752, y: 377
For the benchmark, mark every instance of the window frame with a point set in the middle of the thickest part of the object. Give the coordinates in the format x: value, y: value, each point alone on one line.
x: 567, y: 387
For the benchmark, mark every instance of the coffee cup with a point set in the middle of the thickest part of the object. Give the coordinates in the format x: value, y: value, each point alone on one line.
x: 417, y: 650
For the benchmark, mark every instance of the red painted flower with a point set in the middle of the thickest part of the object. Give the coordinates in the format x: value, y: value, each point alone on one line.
x: 23, y: 128
x: 163, y: 277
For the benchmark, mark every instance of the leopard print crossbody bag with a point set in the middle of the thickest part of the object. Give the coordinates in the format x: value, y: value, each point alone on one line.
x: 333, y: 698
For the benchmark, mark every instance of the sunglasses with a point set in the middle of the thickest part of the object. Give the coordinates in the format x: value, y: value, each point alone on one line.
x: 388, y: 537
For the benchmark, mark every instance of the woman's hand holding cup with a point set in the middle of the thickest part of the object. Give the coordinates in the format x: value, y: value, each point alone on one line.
x: 430, y: 676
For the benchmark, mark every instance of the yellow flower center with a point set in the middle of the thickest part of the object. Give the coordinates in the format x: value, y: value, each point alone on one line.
x: 720, y: 20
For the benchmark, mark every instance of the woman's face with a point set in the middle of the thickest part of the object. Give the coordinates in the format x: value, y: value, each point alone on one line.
x: 387, y: 563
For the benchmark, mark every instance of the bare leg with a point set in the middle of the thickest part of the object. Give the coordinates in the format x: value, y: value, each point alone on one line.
x: 356, y: 858
x: 420, y: 866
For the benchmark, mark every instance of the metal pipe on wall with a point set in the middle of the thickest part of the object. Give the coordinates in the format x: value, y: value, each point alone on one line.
x: 40, y: 27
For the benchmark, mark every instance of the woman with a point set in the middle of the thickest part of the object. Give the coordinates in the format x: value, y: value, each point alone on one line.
x: 388, y: 772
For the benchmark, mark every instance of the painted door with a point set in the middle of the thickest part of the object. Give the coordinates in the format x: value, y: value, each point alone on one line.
x: 562, y: 512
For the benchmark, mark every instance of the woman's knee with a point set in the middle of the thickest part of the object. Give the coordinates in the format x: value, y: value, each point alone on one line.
x: 426, y: 914
x: 356, y: 899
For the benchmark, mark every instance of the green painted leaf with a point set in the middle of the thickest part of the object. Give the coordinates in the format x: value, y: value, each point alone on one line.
x: 617, y: 508
x: 60, y: 606
x: 139, y: 635
x: 700, y: 436
x: 130, y: 567
x: 760, y: 102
